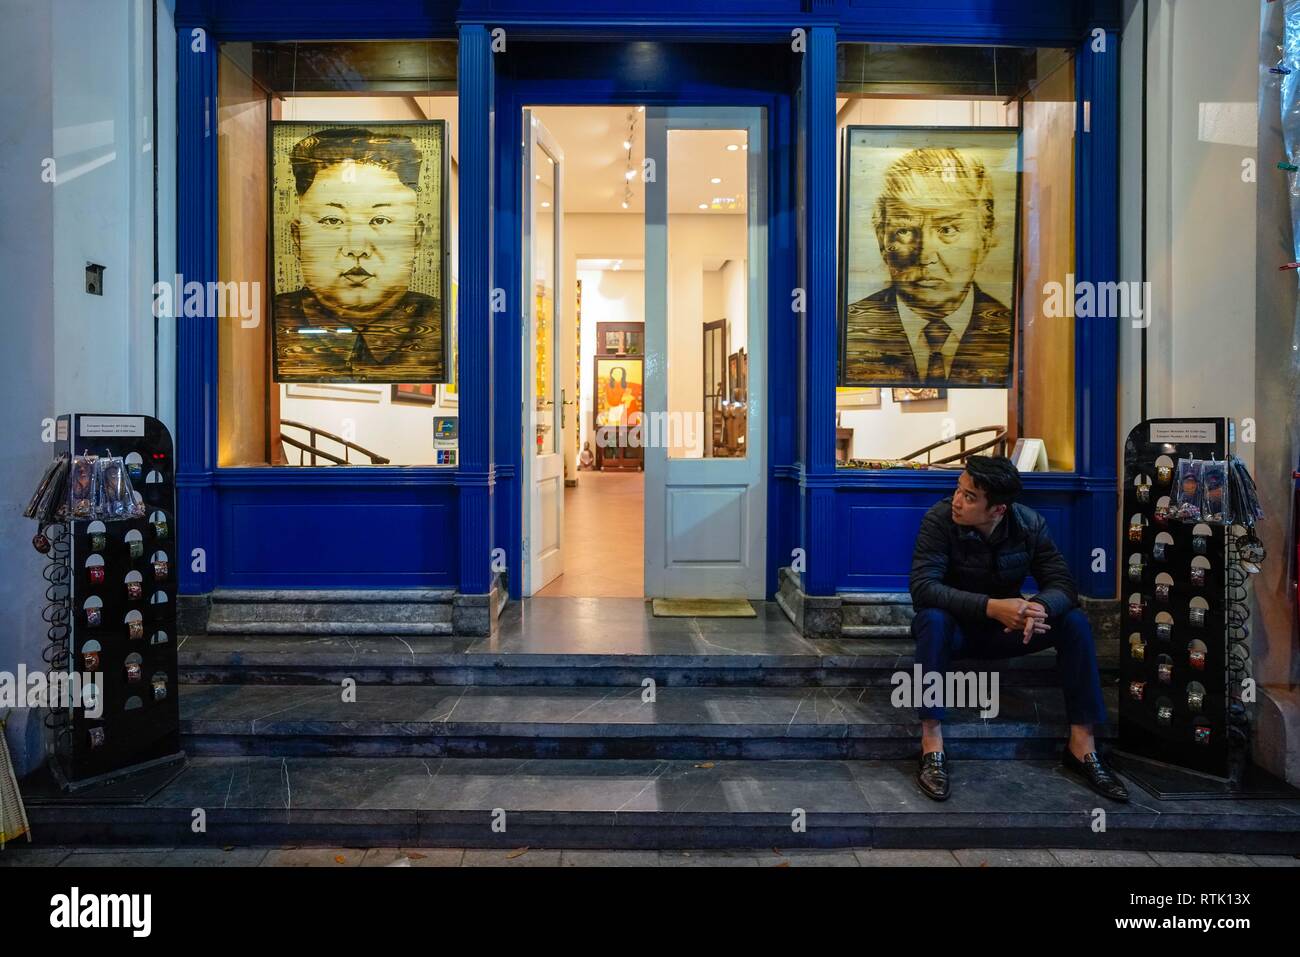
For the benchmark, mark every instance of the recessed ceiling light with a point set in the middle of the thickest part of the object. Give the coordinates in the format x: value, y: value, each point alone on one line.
x: 630, y: 174
x: 546, y: 205
x: 539, y: 176
x: 625, y: 204
x: 640, y: 109
x: 744, y: 146
x: 704, y: 205
x: 716, y: 180
x: 627, y: 144
x: 732, y: 147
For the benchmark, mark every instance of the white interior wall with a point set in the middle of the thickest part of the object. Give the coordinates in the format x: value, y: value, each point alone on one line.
x: 75, y: 88
x: 591, y: 236
x: 735, y: 294
x: 608, y: 295
x: 894, y: 429
x: 695, y: 242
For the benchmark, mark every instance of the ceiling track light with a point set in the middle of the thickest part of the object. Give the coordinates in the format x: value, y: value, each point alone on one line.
x: 629, y: 170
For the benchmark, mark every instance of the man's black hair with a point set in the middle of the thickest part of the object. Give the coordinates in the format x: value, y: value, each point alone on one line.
x: 997, y: 476
x: 334, y: 145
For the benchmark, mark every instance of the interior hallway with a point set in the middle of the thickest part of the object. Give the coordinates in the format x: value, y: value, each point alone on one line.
x: 603, y: 538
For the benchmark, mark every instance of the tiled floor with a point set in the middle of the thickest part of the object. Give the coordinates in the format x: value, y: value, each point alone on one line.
x: 604, y: 535
x: 17, y: 855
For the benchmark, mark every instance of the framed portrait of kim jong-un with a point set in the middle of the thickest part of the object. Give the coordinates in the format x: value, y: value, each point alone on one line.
x: 929, y: 256
x: 358, y: 251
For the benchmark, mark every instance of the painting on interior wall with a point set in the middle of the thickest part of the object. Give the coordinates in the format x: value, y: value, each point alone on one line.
x: 918, y: 395
x: 358, y: 220
x: 422, y: 393
x: 857, y: 398
x: 928, y: 256
x: 619, y: 385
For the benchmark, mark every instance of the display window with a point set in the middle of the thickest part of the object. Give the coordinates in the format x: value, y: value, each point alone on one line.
x: 956, y: 248
x: 337, y: 224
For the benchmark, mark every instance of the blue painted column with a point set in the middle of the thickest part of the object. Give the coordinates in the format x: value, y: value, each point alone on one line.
x: 196, y: 336
x: 817, y: 117
x: 475, y: 478
x: 1097, y: 339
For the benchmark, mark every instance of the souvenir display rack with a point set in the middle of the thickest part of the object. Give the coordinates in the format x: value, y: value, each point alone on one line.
x: 1174, y: 691
x: 120, y: 611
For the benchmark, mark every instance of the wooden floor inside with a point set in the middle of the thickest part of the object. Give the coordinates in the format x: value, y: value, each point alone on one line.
x: 604, y: 536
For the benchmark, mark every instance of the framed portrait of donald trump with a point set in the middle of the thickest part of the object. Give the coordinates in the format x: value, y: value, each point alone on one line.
x: 358, y: 252
x: 929, y: 231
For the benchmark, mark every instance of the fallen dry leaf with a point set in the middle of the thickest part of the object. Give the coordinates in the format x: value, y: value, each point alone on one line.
x: 417, y: 857
x: 706, y: 764
x: 782, y: 864
x: 340, y: 859
x: 517, y: 852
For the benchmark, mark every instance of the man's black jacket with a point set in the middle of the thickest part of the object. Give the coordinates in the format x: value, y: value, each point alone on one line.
x: 955, y: 568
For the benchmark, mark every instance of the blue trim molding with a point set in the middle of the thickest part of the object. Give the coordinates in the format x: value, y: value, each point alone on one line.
x: 196, y: 336
x: 476, y: 477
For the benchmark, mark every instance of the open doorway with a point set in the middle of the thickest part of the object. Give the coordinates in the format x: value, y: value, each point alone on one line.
x: 586, y: 349
x: 638, y: 374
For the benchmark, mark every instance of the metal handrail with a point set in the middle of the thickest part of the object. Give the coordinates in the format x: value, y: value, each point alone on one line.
x: 313, y: 432
x: 999, y: 441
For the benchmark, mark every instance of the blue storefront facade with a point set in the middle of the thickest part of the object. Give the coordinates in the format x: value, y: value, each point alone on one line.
x: 848, y: 530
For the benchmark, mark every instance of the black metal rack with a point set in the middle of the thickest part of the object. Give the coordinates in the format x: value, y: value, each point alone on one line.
x: 1173, y: 693
x: 126, y: 570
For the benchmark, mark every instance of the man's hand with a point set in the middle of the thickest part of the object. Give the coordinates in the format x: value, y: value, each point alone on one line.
x: 1016, y: 614
x: 1035, y: 621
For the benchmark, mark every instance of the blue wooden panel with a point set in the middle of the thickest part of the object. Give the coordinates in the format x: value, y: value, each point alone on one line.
x: 320, y: 19
x: 332, y: 538
x: 962, y: 21
x: 878, y: 530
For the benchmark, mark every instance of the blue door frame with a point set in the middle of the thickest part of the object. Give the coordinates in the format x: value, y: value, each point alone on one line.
x: 262, y: 527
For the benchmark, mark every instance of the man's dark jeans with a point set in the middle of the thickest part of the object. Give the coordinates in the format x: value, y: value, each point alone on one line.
x: 941, y: 638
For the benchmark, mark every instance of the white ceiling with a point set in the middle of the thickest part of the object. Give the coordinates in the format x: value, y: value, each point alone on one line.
x: 595, y: 162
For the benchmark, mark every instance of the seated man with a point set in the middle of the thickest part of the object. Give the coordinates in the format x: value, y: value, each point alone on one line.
x: 972, y: 555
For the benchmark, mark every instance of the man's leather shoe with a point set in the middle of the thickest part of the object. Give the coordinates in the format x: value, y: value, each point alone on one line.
x: 932, y: 775
x: 1095, y: 774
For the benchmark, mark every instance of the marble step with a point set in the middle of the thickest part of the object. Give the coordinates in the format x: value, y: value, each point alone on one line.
x: 680, y: 723
x: 298, y: 596
x: 454, y: 802
x: 407, y: 612
x: 671, y: 659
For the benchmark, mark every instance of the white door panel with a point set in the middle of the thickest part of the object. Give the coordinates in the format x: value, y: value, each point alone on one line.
x: 543, y: 187
x: 705, y: 533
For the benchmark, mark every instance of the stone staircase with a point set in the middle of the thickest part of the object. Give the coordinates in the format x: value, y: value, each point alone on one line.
x: 588, y: 723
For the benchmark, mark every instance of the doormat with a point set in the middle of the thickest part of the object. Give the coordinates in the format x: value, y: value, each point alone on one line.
x: 703, y: 608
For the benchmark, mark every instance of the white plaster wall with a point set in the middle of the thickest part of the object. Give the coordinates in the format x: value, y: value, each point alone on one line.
x: 75, y: 87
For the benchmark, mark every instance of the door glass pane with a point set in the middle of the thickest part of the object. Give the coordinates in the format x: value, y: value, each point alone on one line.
x: 543, y: 299
x: 708, y: 296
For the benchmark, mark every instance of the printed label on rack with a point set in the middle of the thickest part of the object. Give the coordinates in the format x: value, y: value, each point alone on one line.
x: 1184, y: 432
x: 111, y: 425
